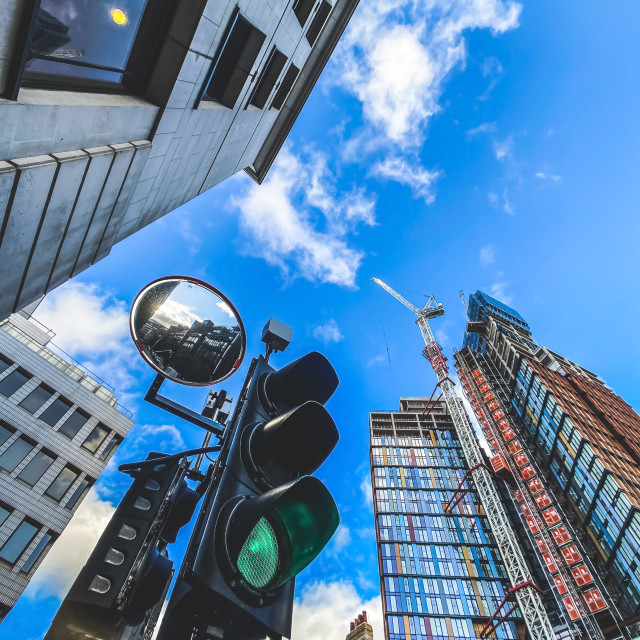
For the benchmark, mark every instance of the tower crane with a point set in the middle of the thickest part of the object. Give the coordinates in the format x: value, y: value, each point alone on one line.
x: 527, y: 594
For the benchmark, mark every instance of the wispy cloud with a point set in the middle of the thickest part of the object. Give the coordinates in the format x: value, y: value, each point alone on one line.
x: 485, y: 127
x: 487, y: 255
x: 418, y: 179
x: 491, y: 69
x: 507, y: 205
x: 504, y: 149
x: 280, y: 218
x: 548, y: 177
x: 328, y: 332
x: 499, y: 291
x: 324, y: 609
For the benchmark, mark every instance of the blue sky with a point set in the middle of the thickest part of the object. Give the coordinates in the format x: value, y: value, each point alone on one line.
x: 449, y: 145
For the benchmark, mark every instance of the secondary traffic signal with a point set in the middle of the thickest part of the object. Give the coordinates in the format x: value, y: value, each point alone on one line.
x: 128, y: 571
x: 267, y: 518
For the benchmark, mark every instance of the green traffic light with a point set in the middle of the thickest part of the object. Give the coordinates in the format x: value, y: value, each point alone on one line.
x: 259, y: 556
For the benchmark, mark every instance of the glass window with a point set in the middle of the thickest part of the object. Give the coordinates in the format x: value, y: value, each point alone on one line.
x: 10, y: 384
x: 55, y: 411
x: 6, y: 432
x: 15, y: 454
x: 83, y: 44
x: 302, y: 9
x: 59, y: 486
x: 18, y: 542
x: 78, y: 493
x: 5, y: 512
x: 268, y: 78
x: 234, y: 61
x: 35, y: 554
x: 318, y: 22
x: 4, y: 364
x: 112, y: 445
x: 36, y: 467
x: 36, y: 398
x: 73, y: 423
x: 95, y: 438
x: 285, y: 87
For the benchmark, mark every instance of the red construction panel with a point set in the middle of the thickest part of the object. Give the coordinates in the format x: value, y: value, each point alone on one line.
x: 508, y: 434
x: 560, y: 585
x: 503, y: 424
x: 494, y: 444
x: 571, y: 554
x: 514, y: 447
x: 581, y: 575
x: 489, y: 433
x: 532, y: 525
x: 551, y: 516
x: 594, y: 600
x: 542, y: 500
x: 519, y: 496
x: 561, y: 535
x: 498, y: 415
x: 542, y: 545
x: 524, y: 507
x: 480, y: 380
x: 527, y: 472
x: 535, y: 485
x: 488, y: 396
x: 475, y: 373
x: 484, y: 388
x: 548, y: 560
x: 571, y: 608
x: 521, y: 459
x: 493, y: 405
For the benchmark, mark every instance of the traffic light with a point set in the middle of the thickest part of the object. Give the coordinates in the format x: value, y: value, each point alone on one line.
x: 267, y: 518
x: 128, y: 571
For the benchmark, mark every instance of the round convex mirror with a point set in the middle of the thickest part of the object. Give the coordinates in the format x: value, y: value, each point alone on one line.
x: 187, y: 331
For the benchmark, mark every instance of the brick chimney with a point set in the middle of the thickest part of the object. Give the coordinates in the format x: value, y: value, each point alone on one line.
x: 360, y: 629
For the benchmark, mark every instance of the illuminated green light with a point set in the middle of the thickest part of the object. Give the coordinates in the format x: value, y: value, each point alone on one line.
x: 258, y: 558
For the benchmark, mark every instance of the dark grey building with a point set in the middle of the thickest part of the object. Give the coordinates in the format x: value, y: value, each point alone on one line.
x: 59, y: 426
x: 111, y: 118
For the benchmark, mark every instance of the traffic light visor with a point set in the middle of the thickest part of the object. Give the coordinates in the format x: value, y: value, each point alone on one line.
x: 273, y: 537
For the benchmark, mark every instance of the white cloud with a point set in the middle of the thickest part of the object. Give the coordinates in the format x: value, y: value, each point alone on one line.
x: 498, y: 290
x: 548, y: 177
x: 507, y: 205
x: 84, y: 318
x: 340, y: 541
x: 68, y: 555
x: 401, y: 170
x: 487, y: 255
x: 396, y: 56
x: 378, y: 359
x: 493, y: 198
x: 504, y: 149
x: 328, y: 332
x: 324, y: 610
x: 485, y: 127
x: 367, y: 491
x: 492, y: 69
x: 279, y: 217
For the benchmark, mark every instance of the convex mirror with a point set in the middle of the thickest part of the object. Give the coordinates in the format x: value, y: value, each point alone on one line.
x: 188, y: 331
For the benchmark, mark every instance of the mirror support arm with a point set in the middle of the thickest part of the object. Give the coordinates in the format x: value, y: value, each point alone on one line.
x: 153, y: 397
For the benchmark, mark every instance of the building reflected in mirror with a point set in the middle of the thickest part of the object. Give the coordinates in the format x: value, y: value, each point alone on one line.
x: 188, y: 332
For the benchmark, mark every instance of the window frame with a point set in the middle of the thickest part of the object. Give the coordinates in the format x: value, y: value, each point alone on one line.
x: 102, y: 427
x: 20, y: 371
x: 26, y: 521
x: 43, y: 387
x: 64, y: 401
x: 275, y: 59
x: 23, y: 438
x: 40, y: 452
x: 67, y: 467
x: 79, y: 411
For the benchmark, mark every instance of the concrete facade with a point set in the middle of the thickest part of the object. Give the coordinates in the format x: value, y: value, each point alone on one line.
x: 80, y: 171
x: 45, y: 450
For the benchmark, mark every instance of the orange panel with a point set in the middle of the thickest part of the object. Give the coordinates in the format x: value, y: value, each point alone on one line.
x: 475, y: 373
x: 571, y: 554
x: 551, y: 516
x: 503, y: 424
x: 519, y: 496
x: 508, y: 434
x: 535, y: 485
x: 594, y: 600
x: 527, y: 472
x: 532, y: 525
x: 498, y: 415
x: 514, y: 447
x: 561, y: 535
x: 571, y: 609
x: 548, y: 560
x: 480, y: 380
x: 493, y: 405
x: 581, y: 575
x: 542, y: 545
x: 488, y: 396
x: 484, y: 388
x: 542, y: 500
x: 521, y: 459
x: 560, y: 585
x: 525, y: 509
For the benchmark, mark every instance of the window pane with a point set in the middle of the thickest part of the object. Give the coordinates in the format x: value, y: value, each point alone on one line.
x: 302, y: 9
x: 73, y: 423
x: 77, y: 494
x: 36, y: 399
x: 5, y: 432
x: 55, y: 411
x: 4, y: 513
x: 36, y: 467
x: 35, y: 554
x: 10, y: 384
x: 18, y: 541
x: 95, y: 438
x: 15, y: 454
x: 268, y: 78
x: 4, y: 364
x: 234, y: 62
x: 60, y: 485
x: 318, y: 22
x: 285, y: 87
x: 112, y: 445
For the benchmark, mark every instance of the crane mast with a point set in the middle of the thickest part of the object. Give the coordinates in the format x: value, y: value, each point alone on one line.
x: 528, y: 597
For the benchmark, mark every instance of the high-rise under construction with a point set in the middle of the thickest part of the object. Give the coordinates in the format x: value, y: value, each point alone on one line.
x: 552, y: 469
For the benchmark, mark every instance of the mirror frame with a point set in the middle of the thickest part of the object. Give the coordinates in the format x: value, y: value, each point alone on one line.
x: 208, y: 287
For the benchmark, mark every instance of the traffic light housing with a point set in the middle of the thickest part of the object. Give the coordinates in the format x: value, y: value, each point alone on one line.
x: 267, y: 518
x: 128, y: 571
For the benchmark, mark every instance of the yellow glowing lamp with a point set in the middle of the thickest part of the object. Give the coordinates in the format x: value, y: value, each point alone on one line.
x: 118, y: 16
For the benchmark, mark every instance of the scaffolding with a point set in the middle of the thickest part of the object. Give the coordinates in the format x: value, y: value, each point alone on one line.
x: 527, y: 597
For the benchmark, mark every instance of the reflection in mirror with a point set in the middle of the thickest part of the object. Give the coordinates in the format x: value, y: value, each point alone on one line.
x: 187, y: 331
